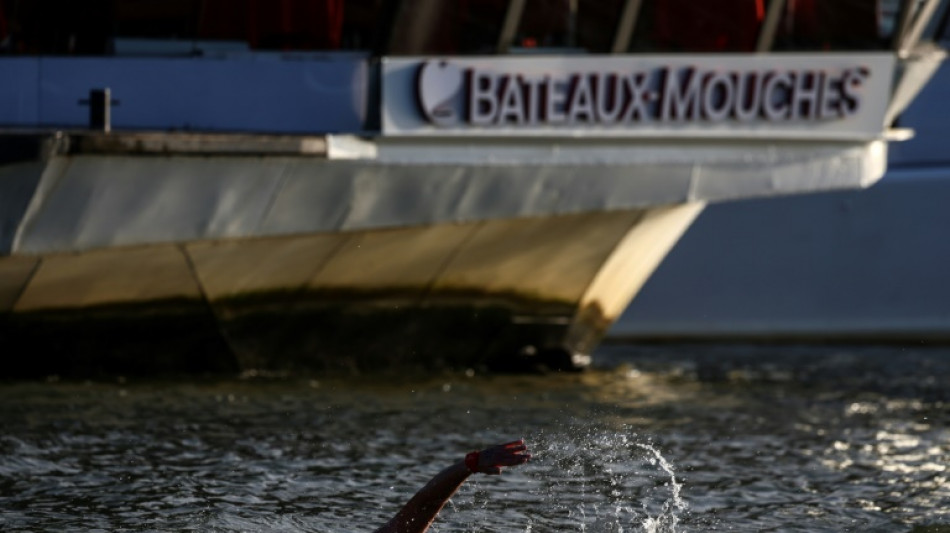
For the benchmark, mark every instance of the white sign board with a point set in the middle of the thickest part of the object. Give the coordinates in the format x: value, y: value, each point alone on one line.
x: 834, y: 96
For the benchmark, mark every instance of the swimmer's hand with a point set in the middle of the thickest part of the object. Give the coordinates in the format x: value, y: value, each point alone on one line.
x: 491, y: 460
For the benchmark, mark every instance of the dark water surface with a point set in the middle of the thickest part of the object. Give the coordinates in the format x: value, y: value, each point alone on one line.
x: 653, y: 439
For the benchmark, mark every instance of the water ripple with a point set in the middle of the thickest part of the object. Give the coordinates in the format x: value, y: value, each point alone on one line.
x: 659, y: 441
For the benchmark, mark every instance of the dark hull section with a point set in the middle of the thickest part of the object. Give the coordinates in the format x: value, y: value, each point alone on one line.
x: 167, y: 338
x: 283, y: 333
x: 361, y: 333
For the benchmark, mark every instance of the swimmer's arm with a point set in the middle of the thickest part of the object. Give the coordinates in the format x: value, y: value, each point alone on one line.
x: 419, y: 513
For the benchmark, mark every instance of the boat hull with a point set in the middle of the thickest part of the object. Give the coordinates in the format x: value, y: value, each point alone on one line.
x: 520, y: 293
x: 150, y: 253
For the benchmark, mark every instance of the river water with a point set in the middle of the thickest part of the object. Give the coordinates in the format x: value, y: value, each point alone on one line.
x: 662, y: 438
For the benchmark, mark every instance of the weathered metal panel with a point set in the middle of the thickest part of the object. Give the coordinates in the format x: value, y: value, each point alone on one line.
x: 236, y: 268
x: 621, y: 275
x: 103, y: 277
x: 406, y: 260
x: 548, y: 259
x: 125, y: 200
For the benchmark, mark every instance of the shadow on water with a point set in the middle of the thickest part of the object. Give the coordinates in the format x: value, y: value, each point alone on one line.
x: 653, y: 438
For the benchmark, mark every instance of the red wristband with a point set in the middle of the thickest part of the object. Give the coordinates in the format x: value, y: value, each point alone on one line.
x: 471, y: 462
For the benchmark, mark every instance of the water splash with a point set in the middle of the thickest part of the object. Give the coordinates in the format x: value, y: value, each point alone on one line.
x: 599, y: 480
x: 668, y: 519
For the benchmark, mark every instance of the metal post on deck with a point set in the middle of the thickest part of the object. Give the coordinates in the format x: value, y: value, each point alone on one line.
x: 913, y: 24
x: 100, y: 109
x: 773, y: 15
x: 628, y: 21
x: 100, y: 104
x: 510, y: 26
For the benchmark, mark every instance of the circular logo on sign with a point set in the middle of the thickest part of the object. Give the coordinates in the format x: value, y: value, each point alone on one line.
x: 439, y: 88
